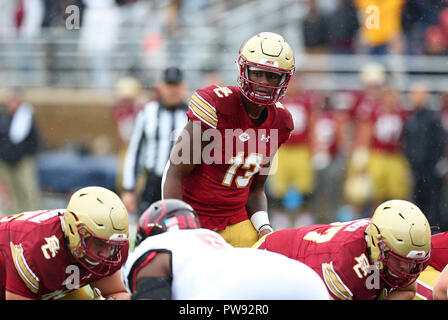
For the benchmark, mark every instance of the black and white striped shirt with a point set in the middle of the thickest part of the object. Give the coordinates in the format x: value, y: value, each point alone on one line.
x: 155, y: 130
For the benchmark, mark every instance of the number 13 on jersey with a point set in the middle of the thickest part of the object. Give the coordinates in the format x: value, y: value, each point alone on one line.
x: 252, y: 165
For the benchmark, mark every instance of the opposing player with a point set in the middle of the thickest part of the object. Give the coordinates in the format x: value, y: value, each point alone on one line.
x: 237, y: 131
x: 377, y: 258
x: 176, y: 259
x: 50, y: 254
x: 432, y: 284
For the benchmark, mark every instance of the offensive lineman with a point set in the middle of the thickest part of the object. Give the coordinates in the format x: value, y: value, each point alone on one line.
x: 375, y: 258
x: 50, y: 254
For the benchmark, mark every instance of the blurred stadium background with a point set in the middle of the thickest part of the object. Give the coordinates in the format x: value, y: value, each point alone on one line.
x: 70, y: 72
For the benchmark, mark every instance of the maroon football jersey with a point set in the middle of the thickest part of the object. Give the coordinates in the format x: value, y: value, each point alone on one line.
x: 325, y: 132
x: 337, y: 252
x: 388, y: 127
x: 218, y: 187
x: 36, y: 260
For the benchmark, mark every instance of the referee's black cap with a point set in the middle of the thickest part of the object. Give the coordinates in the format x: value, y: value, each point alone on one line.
x: 173, y: 75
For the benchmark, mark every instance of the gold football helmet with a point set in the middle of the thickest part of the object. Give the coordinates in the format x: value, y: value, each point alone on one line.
x: 96, y: 225
x: 399, y: 239
x: 269, y: 52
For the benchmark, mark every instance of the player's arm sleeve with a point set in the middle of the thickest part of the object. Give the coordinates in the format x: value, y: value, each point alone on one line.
x: 202, y: 108
x: 130, y: 167
x: 335, y: 285
x: 20, y: 278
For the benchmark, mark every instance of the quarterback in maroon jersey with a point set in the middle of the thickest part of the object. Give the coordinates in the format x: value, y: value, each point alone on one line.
x: 377, y: 258
x: 51, y: 254
x: 239, y: 130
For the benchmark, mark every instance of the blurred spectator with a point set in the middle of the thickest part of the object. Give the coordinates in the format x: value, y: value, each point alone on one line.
x: 152, y: 138
x: 327, y: 139
x: 380, y: 24
x: 128, y: 103
x: 443, y: 165
x: 18, y: 148
x: 26, y: 19
x: 21, y: 24
x: 293, y: 182
x: 315, y: 30
x: 211, y: 77
x: 373, y: 79
x: 343, y: 26
x: 417, y: 16
x: 424, y: 145
x: 387, y: 166
x: 99, y: 38
x: 443, y: 107
x: 358, y: 190
x: 435, y: 41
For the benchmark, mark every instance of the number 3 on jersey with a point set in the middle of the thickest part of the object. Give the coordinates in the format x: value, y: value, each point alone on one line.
x: 252, y: 164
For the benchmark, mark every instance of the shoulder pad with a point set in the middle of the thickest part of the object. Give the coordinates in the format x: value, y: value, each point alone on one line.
x: 202, y: 106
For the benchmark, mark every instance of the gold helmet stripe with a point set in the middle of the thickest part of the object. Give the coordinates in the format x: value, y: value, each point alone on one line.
x: 334, y: 282
x: 24, y: 271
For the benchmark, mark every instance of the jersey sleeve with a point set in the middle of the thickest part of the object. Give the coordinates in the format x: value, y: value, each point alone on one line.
x: 202, y: 108
x: 22, y: 278
x: 335, y: 284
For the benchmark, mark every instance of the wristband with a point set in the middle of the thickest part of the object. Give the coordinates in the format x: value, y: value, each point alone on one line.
x: 260, y: 221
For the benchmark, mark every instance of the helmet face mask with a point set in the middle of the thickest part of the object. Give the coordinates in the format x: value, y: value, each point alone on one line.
x: 399, y: 240
x: 96, y: 226
x: 399, y: 271
x: 266, y: 52
x: 98, y: 254
x: 163, y: 216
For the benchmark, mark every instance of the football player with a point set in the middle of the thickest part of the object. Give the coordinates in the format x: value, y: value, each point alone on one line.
x: 387, y: 165
x: 433, y: 281
x: 49, y: 254
x: 237, y: 131
x: 374, y: 258
x: 176, y: 259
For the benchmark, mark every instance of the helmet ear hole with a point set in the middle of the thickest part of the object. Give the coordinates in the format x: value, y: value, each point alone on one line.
x: 74, y: 216
x: 372, y: 241
x: 71, y: 229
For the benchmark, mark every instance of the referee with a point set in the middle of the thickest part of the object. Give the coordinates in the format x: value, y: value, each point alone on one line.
x: 152, y: 138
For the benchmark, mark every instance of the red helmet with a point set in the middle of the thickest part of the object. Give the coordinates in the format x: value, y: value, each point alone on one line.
x: 164, y: 215
x: 267, y: 52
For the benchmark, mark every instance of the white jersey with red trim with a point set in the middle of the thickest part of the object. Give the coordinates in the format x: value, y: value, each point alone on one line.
x: 206, y: 267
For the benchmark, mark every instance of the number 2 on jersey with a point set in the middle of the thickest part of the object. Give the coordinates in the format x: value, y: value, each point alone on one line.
x: 252, y: 160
